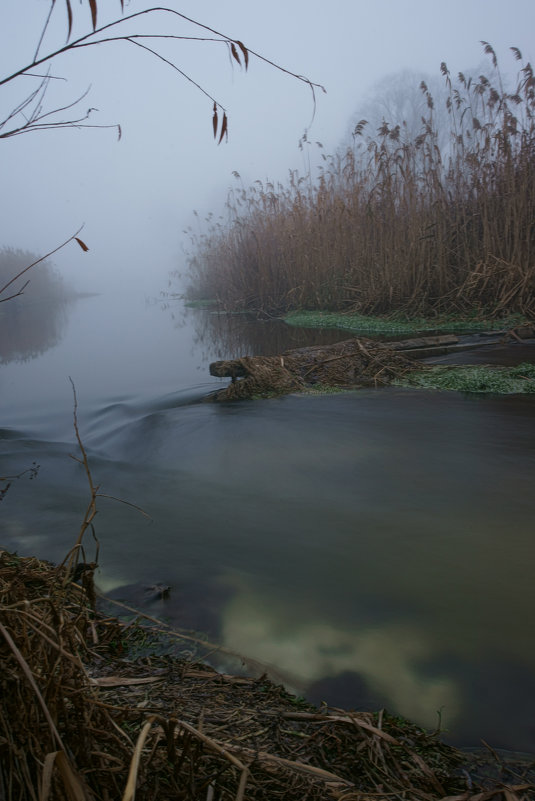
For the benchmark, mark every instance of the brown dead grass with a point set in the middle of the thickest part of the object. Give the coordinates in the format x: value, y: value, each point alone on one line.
x: 355, y: 362
x: 396, y: 223
x: 78, y: 723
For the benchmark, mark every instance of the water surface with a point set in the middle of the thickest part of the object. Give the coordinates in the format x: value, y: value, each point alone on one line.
x: 375, y: 548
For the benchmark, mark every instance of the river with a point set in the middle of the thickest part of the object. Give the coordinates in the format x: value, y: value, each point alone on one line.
x: 374, y: 548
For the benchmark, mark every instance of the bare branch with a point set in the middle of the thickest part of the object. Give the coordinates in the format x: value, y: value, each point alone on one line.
x: 126, y: 503
x: 45, y: 26
x: 34, y: 122
x: 38, y: 261
x: 84, y: 459
x: 237, y: 49
x: 170, y: 63
x: 57, y: 126
x: 91, y: 511
x: 16, y: 294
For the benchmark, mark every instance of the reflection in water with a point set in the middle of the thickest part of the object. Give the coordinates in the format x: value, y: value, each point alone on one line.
x: 387, y: 659
x: 230, y: 336
x: 376, y: 547
x: 33, y: 321
x: 27, y: 330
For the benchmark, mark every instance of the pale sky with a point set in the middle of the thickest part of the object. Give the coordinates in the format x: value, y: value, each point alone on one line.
x: 135, y: 196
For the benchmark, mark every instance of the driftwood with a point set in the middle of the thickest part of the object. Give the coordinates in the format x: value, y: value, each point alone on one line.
x: 423, y: 347
x: 352, y: 363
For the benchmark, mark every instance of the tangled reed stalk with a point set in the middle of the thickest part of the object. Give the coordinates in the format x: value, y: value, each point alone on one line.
x: 49, y: 725
x: 397, y: 222
x: 353, y: 362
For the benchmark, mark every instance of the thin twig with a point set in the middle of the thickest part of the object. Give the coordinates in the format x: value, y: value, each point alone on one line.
x: 38, y: 261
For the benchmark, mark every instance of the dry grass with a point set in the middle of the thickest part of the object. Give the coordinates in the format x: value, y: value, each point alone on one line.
x: 49, y: 720
x: 394, y: 223
x: 78, y: 723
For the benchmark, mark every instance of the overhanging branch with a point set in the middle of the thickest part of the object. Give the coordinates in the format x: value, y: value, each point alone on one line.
x: 238, y: 51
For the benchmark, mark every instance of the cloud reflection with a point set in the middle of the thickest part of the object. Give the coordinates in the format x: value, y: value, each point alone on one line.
x: 387, y: 657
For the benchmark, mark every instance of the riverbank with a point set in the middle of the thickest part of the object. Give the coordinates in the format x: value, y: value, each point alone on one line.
x: 98, y: 722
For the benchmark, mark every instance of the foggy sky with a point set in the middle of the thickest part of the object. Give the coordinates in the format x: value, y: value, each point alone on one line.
x: 135, y: 196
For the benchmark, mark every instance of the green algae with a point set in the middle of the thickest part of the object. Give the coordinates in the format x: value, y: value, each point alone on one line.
x: 394, y: 325
x: 476, y: 379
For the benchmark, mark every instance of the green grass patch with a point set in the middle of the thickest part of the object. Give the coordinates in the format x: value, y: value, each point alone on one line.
x: 394, y: 325
x: 477, y: 378
x: 326, y: 389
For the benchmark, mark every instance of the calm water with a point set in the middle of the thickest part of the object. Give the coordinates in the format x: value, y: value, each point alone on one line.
x: 375, y: 548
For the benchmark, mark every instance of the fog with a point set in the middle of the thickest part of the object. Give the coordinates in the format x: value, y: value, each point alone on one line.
x: 136, y: 196
x: 354, y: 536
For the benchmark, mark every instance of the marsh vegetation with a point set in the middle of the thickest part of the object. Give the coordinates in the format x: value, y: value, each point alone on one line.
x: 395, y: 325
x: 420, y: 224
x: 473, y: 378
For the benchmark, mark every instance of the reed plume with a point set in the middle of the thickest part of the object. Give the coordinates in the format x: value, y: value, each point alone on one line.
x: 395, y: 223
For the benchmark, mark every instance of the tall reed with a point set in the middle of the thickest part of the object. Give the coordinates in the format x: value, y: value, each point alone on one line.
x: 396, y: 223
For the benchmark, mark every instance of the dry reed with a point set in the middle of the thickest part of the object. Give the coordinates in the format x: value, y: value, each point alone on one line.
x: 357, y: 362
x: 396, y: 223
x: 77, y: 723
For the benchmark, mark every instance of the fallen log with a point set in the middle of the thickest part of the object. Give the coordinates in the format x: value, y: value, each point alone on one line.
x: 424, y: 342
x: 354, y: 362
x: 424, y: 347
x: 351, y: 363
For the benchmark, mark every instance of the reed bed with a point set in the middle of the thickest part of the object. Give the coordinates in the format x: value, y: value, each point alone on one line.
x: 81, y: 720
x: 397, y: 223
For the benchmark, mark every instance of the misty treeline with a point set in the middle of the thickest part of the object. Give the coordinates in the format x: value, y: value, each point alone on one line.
x: 414, y: 222
x: 44, y: 285
x: 32, y: 320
